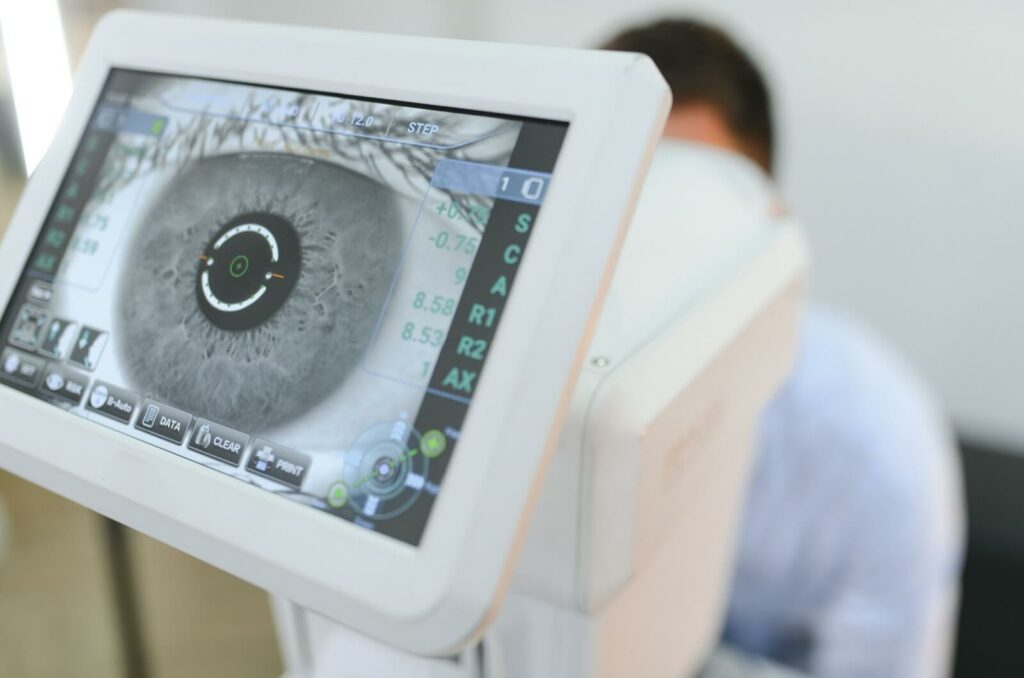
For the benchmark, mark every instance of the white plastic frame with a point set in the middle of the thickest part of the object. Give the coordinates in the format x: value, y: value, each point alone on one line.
x: 434, y: 598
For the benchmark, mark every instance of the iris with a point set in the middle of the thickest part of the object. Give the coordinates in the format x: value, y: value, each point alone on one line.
x: 321, y: 241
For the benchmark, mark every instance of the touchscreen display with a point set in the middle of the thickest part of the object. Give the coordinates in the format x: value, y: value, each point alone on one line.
x: 294, y: 288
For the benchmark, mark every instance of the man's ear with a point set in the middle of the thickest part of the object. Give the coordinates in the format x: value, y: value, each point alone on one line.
x: 703, y: 123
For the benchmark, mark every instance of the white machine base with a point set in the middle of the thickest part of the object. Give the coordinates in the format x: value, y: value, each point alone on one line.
x: 693, y: 461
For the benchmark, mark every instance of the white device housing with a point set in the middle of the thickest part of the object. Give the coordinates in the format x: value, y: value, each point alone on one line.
x: 437, y: 597
x: 628, y: 558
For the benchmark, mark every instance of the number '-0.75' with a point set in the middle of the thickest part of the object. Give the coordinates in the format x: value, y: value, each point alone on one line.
x: 455, y: 242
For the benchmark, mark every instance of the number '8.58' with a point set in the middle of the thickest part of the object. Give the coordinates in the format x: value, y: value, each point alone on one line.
x: 439, y: 305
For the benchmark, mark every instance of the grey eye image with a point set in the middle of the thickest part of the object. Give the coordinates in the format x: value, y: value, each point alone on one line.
x: 253, y: 285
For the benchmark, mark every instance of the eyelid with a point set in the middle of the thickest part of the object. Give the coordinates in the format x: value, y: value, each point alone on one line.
x: 208, y: 132
x: 394, y: 161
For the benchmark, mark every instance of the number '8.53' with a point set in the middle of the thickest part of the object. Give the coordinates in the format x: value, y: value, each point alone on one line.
x: 426, y: 335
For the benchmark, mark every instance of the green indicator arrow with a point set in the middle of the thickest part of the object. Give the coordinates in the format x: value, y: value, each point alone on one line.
x: 433, y: 444
x: 337, y: 496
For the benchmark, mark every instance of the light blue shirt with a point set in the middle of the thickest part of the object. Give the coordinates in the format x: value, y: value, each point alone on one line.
x: 852, y: 541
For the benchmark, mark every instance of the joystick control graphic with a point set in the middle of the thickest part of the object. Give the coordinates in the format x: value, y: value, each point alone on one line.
x: 385, y: 472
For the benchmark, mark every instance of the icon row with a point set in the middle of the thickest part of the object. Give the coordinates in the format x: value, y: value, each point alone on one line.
x: 52, y: 379
x: 397, y: 124
x: 208, y: 438
x: 35, y: 330
x: 205, y: 437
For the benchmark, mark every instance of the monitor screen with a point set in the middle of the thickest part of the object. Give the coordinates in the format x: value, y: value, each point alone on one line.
x: 295, y: 288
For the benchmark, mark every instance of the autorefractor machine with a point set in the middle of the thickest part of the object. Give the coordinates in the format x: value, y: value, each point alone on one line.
x: 358, y: 318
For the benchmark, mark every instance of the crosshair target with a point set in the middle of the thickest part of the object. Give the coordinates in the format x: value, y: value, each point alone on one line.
x: 248, y: 270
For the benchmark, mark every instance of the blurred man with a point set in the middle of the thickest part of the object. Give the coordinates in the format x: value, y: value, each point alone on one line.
x: 850, y: 551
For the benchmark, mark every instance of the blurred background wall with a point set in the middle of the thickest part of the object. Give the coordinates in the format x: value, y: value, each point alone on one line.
x: 901, y: 148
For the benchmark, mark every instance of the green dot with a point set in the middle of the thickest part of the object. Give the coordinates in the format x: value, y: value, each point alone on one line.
x: 337, y: 496
x: 239, y: 265
x: 433, y: 444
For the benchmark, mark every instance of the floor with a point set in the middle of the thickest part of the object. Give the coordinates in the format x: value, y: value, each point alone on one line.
x: 58, y: 618
x: 58, y: 615
x: 992, y: 610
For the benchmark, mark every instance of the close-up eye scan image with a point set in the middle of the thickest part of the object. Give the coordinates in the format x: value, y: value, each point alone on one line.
x: 297, y: 289
x: 261, y: 264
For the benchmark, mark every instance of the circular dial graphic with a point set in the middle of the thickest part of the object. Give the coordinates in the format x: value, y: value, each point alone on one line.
x: 248, y: 270
x: 384, y: 472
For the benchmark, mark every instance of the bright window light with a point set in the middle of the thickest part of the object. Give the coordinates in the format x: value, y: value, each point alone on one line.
x: 37, y: 61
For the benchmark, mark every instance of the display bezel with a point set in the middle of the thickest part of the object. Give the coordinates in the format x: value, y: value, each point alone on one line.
x: 432, y: 598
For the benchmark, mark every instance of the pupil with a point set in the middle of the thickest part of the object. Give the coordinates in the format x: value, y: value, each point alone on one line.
x: 248, y: 270
x: 239, y: 265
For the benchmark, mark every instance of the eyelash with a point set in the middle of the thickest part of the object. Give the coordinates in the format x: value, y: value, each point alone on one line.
x: 207, y: 134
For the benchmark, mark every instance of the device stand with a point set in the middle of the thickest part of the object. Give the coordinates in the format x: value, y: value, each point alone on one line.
x: 315, y: 647
x: 531, y: 638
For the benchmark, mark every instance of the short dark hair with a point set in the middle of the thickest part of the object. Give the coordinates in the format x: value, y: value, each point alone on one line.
x: 702, y: 64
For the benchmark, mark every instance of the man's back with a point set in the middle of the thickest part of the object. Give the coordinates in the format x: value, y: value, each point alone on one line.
x: 852, y: 539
